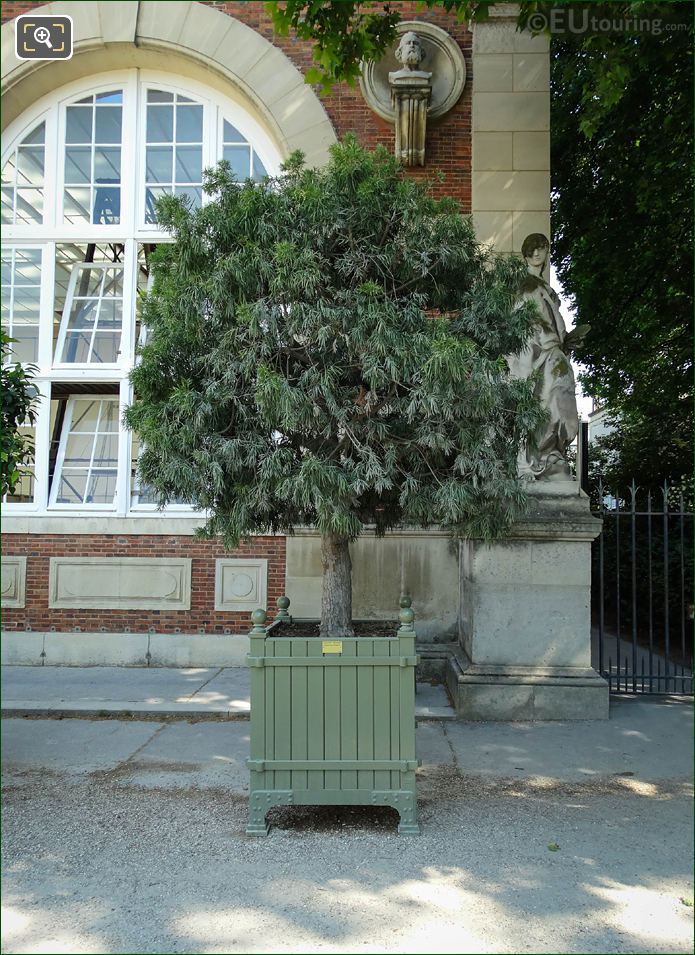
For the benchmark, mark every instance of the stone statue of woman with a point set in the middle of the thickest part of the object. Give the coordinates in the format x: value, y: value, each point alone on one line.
x: 547, y: 355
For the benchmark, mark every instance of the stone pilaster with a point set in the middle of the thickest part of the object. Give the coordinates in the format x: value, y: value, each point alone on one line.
x: 511, y: 132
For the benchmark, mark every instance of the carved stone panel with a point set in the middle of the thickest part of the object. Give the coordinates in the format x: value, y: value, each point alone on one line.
x: 13, y: 587
x: 120, y: 583
x: 241, y: 584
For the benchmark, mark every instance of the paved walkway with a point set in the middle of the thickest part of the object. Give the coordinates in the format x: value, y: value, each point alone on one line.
x: 129, y: 836
x: 645, y: 741
x: 154, y: 691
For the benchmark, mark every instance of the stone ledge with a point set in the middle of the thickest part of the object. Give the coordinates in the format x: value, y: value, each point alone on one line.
x: 508, y: 693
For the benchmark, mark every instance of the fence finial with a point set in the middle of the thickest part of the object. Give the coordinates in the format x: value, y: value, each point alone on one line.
x: 283, y: 604
x: 258, y: 619
x: 406, y: 615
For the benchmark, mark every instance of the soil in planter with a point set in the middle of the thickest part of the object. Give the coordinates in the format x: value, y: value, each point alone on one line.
x: 362, y: 628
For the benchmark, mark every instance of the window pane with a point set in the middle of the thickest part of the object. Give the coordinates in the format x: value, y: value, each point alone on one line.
x: 106, y: 450
x: 77, y: 345
x: 115, y: 96
x: 30, y: 166
x: 259, y: 170
x: 27, y: 264
x: 78, y: 450
x: 26, y: 346
x: 23, y: 177
x: 107, y: 164
x: 108, y: 124
x: 78, y: 165
x: 90, y: 281
x: 78, y: 127
x: 71, y: 489
x: 105, y: 348
x: 189, y: 164
x: 151, y: 196
x: 158, y: 96
x: 36, y: 136
x: 109, y: 416
x: 83, y: 314
x: 107, y: 205
x: 26, y: 305
x: 189, y: 124
x: 231, y: 134
x: 21, y: 300
x: 160, y: 124
x: 85, y: 415
x: 158, y: 164
x: 77, y: 203
x: 239, y: 157
x: 29, y: 205
x: 195, y: 195
x: 9, y: 170
x: 7, y: 205
x: 110, y: 315
x: 102, y: 488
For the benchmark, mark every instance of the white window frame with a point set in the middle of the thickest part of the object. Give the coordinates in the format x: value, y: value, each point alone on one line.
x: 13, y: 247
x: 131, y: 231
x: 65, y: 433
x: 77, y: 270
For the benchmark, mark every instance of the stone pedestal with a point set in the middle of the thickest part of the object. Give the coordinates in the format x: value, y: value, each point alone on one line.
x: 411, y: 91
x: 525, y: 620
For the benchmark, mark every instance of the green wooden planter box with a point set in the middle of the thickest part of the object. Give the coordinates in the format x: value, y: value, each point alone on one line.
x: 332, y: 721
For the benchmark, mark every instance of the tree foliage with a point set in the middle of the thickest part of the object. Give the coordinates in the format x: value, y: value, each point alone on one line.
x: 344, y: 34
x: 18, y: 398
x: 622, y: 190
x: 325, y: 348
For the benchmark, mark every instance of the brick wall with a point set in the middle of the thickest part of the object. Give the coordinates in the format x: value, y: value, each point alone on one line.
x: 448, y: 140
x: 13, y: 9
x: 39, y: 548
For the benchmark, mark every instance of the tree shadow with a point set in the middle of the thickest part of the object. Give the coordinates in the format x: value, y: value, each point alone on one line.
x: 96, y: 867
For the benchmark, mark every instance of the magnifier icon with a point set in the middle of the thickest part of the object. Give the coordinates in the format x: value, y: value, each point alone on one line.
x: 43, y: 35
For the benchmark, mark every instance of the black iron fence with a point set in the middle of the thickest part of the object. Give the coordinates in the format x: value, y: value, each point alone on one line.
x: 642, y: 591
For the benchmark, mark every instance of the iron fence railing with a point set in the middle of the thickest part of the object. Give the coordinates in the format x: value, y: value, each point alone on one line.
x: 642, y: 585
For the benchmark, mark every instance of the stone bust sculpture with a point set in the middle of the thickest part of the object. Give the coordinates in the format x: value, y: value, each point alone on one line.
x: 409, y: 51
x: 546, y: 356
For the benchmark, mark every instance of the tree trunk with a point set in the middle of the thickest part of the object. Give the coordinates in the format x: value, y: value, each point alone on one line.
x: 336, y: 593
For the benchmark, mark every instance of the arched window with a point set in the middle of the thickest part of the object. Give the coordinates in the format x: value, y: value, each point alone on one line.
x: 80, y: 178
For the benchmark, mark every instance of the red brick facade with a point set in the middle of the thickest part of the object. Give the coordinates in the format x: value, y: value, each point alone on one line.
x: 448, y: 151
x: 201, y: 618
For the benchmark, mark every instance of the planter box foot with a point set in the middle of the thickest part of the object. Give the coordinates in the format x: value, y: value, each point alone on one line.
x: 409, y: 829
x: 257, y: 829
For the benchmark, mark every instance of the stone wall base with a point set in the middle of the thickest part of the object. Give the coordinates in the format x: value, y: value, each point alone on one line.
x: 506, y: 693
x: 35, y: 648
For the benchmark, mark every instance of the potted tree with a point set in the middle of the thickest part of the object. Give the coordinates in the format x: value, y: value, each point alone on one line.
x: 327, y: 348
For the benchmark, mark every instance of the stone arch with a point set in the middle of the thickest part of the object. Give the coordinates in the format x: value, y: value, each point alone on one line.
x: 190, y: 39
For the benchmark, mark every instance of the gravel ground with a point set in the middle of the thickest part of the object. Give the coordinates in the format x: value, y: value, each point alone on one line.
x: 92, y: 865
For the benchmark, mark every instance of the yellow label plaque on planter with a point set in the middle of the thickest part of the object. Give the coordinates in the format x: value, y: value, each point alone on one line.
x: 331, y: 646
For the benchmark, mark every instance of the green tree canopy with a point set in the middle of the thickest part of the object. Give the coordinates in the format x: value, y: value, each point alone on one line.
x: 326, y: 348
x: 622, y: 228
